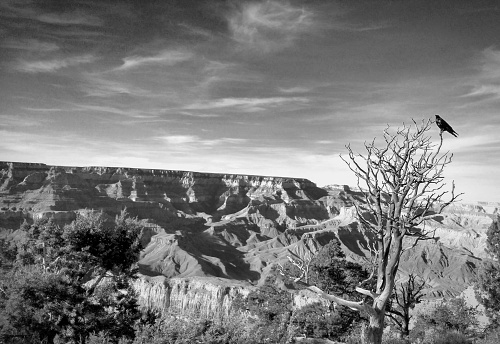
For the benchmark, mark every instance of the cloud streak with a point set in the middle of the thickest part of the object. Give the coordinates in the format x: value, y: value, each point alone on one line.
x: 72, y: 18
x: 18, y: 121
x: 29, y: 10
x: 247, y: 104
x: 268, y: 26
x: 166, y: 58
x: 48, y: 66
x: 132, y: 113
x: 103, y: 86
x: 193, y: 141
x: 487, y: 81
x: 31, y: 45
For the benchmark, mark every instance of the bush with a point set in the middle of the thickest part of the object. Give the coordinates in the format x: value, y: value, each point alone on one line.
x: 355, y: 335
x: 393, y: 337
x: 45, y: 295
x: 448, y: 318
x: 492, y: 337
x: 318, y: 321
x: 271, y: 309
x: 395, y: 341
x: 175, y: 330
x: 433, y: 336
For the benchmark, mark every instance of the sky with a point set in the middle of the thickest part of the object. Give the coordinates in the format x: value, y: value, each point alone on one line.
x: 275, y: 88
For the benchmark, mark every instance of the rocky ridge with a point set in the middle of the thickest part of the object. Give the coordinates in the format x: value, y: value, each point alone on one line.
x: 222, y: 229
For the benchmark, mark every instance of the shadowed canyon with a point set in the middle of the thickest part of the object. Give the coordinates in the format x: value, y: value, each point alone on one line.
x: 211, y: 237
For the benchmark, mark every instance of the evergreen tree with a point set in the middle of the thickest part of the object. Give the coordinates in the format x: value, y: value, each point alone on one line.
x: 329, y: 270
x: 73, y: 281
x: 447, y: 317
x: 488, y: 279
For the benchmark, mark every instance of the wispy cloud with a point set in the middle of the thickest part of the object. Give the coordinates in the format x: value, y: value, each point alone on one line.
x: 42, y: 109
x: 217, y: 73
x: 71, y: 18
x: 247, y: 104
x: 32, y: 45
x: 491, y: 62
x: 99, y: 85
x: 191, y: 114
x: 29, y: 145
x: 34, y: 10
x: 19, y: 121
x: 181, y: 141
x: 297, y: 89
x: 196, y: 31
x: 117, y: 110
x: 479, y: 144
x: 47, y: 66
x: 484, y: 91
x: 486, y: 83
x: 345, y: 26
x: 166, y: 57
x: 268, y: 26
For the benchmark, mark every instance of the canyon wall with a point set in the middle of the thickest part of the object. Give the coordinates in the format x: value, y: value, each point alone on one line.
x: 210, y: 237
x: 201, y: 296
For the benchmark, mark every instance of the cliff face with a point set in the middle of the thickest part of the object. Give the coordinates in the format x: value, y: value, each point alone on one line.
x: 201, y: 296
x: 232, y: 227
x: 156, y: 194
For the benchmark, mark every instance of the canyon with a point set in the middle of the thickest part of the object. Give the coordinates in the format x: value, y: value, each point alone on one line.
x: 210, y: 238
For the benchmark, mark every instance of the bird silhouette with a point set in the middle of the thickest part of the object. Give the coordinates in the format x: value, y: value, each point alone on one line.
x: 441, y: 123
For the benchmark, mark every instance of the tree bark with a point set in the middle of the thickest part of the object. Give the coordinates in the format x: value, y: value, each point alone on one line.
x: 372, y: 333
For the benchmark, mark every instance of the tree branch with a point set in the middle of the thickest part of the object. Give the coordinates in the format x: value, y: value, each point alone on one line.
x: 357, y: 306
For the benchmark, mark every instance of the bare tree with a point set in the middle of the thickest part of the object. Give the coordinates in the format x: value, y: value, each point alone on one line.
x: 405, y: 298
x: 402, y: 187
x: 303, y: 264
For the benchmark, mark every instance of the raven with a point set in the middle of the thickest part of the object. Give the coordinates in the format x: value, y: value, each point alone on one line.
x: 441, y: 123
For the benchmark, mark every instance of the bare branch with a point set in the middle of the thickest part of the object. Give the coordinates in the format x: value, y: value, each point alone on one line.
x: 358, y: 306
x: 402, y: 186
x: 367, y: 292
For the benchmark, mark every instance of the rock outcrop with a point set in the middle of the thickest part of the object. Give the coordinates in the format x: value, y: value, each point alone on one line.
x: 201, y: 296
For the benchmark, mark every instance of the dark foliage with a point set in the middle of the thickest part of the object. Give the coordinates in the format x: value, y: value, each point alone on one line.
x: 273, y: 308
x: 319, y: 321
x: 331, y: 272
x: 447, y: 317
x: 488, y: 278
x: 70, y: 282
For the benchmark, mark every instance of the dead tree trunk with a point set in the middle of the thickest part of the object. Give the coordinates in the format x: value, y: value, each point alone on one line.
x: 372, y: 333
x: 403, y: 186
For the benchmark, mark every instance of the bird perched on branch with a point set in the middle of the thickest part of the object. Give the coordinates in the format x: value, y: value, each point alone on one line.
x: 441, y: 123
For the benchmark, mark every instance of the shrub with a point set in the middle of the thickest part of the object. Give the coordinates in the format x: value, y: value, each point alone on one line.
x: 448, y: 318
x: 355, y: 335
x: 318, y: 321
x: 394, y: 337
x: 492, y: 337
x: 395, y: 341
x: 433, y: 336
